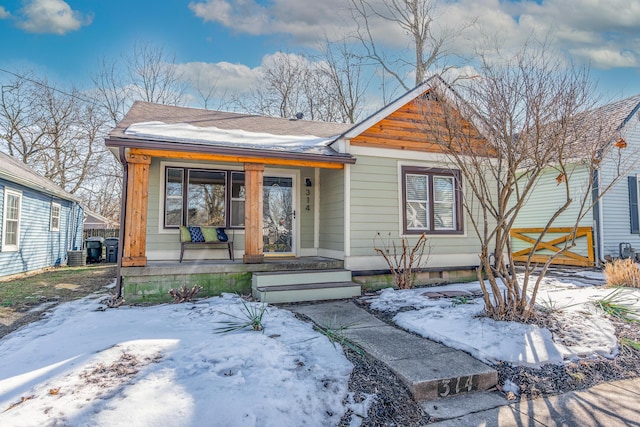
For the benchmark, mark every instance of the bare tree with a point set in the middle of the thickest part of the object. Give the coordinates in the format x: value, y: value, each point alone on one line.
x: 535, y: 115
x: 346, y: 84
x: 326, y: 89
x: 154, y: 76
x: 20, y: 118
x: 111, y: 89
x: 429, y: 43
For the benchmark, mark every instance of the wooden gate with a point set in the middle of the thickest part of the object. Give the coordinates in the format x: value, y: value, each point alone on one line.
x: 552, y: 247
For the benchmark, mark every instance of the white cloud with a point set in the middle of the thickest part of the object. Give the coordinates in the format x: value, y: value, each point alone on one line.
x: 306, y: 22
x: 224, y: 76
x: 51, y: 16
x: 600, y: 32
x: 4, y: 13
x: 607, y: 58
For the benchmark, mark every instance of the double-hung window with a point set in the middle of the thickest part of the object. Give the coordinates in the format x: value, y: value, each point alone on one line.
x: 203, y: 197
x: 54, y: 220
x: 432, y: 201
x: 11, y: 220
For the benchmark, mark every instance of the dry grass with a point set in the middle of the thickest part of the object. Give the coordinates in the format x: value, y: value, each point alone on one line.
x: 622, y: 272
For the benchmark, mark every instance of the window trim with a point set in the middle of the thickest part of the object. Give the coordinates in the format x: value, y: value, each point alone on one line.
x: 430, y: 172
x: 7, y: 247
x: 186, y: 169
x: 55, y: 205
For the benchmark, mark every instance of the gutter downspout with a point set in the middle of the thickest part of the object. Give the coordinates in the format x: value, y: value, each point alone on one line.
x: 123, y: 214
x: 597, y: 218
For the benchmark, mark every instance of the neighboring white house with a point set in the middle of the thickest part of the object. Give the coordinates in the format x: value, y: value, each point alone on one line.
x: 614, y: 219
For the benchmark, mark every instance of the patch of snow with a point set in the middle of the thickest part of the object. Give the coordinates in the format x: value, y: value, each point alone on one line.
x: 165, y: 365
x: 583, y: 331
x: 211, y: 134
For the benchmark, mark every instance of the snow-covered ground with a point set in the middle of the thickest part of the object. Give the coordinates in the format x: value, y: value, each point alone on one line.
x: 166, y: 365
x: 586, y: 332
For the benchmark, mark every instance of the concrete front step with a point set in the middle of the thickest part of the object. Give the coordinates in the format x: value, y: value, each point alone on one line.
x: 283, y: 278
x: 306, y: 292
x: 429, y: 369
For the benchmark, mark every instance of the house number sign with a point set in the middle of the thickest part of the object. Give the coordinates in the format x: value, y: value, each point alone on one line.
x: 453, y: 386
x: 307, y: 195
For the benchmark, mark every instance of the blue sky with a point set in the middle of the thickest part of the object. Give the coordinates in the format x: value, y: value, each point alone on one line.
x: 230, y: 39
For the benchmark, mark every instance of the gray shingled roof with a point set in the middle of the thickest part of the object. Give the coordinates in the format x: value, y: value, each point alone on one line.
x: 142, y: 112
x: 14, y: 170
x: 146, y: 112
x: 619, y: 112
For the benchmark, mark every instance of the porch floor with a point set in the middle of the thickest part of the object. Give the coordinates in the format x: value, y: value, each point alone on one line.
x: 155, y: 268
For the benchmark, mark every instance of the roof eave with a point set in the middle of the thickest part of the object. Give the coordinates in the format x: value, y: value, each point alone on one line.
x: 149, y: 144
x: 61, y: 194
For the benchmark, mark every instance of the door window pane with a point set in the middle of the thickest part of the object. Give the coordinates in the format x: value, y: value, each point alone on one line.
x: 277, y: 214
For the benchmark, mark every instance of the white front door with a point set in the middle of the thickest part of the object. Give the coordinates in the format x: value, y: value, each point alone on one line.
x: 279, y: 215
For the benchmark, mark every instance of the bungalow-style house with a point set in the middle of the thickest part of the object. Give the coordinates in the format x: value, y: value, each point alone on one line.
x: 302, y: 201
x: 41, y: 222
x: 611, y: 228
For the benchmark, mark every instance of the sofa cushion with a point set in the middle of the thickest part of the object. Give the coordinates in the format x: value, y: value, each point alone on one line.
x: 210, y: 234
x: 196, y: 234
x: 185, y: 235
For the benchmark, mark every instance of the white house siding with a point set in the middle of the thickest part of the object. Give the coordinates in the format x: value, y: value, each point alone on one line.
x: 375, y: 199
x: 332, y: 228
x: 615, y: 202
x: 546, y: 198
x: 38, y: 246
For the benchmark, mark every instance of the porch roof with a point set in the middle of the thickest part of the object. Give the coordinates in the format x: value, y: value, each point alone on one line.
x: 181, y: 129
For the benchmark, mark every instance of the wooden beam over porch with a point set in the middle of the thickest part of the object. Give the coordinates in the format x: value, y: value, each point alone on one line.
x: 211, y: 157
x: 253, y: 181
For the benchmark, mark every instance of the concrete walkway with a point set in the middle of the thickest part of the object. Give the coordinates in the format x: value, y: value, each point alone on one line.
x: 429, y: 369
x: 452, y: 386
x: 606, y: 405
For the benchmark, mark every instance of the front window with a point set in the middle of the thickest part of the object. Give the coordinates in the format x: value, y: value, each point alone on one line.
x: 432, y: 201
x: 207, y: 198
x: 54, y: 223
x: 203, y: 197
x: 11, y: 221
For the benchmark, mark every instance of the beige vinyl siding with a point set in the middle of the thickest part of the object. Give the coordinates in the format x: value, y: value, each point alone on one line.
x: 164, y: 244
x: 547, y: 197
x: 168, y: 240
x: 332, y: 209
x: 306, y: 219
x: 375, y: 200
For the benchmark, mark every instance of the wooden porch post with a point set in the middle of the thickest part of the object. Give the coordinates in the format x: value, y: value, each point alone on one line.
x: 253, y: 178
x: 135, y: 236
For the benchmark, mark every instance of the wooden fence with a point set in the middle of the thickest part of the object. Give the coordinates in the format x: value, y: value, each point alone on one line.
x: 559, y: 237
x: 100, y: 232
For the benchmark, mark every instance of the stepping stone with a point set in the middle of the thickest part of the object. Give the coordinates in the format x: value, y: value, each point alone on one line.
x: 433, y: 295
x: 451, y: 294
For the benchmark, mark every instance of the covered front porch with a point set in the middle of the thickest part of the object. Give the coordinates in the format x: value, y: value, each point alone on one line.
x: 151, y: 283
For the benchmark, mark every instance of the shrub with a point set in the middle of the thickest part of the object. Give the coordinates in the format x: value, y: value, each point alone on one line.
x: 622, y: 272
x: 404, y: 261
